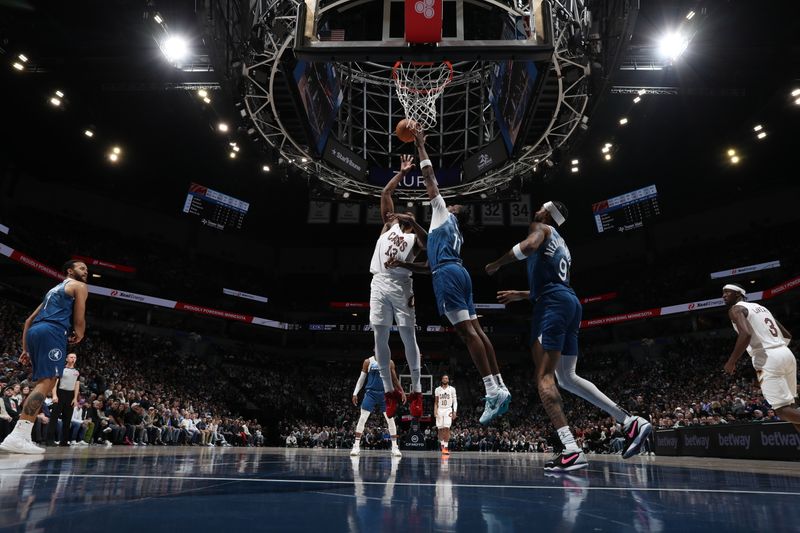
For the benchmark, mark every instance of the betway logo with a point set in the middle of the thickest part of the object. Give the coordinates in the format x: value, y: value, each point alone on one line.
x: 694, y: 440
x: 732, y: 439
x: 776, y: 438
x: 667, y: 442
x: 127, y: 295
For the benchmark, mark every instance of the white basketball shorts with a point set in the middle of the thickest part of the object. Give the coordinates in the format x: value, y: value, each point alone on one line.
x: 391, y: 300
x: 443, y: 419
x: 778, y: 377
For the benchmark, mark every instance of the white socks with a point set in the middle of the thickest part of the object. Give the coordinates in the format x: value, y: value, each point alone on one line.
x: 23, y: 429
x: 384, y: 355
x: 567, y: 440
x: 499, y: 379
x: 490, y: 384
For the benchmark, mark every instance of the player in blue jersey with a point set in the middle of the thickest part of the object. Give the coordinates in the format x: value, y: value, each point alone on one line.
x: 554, y: 335
x: 59, y: 320
x: 374, y: 397
x: 452, y: 286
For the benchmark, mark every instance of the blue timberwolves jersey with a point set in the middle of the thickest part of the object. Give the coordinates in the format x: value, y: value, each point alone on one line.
x: 57, y: 307
x: 374, y: 381
x: 548, y: 268
x: 444, y: 243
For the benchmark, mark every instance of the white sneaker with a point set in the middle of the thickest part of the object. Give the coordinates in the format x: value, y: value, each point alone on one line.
x: 395, y: 452
x: 17, y: 444
x: 636, y: 431
x: 108, y: 444
x: 81, y: 443
x: 71, y: 443
x: 355, y: 452
x: 495, y: 405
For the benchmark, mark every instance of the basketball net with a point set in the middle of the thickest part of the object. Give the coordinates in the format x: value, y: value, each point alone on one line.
x: 419, y: 86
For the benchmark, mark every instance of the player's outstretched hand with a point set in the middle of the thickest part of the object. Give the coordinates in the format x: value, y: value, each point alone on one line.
x: 492, y: 268
x: 506, y: 297
x: 355, y: 400
x: 74, y: 339
x: 403, y: 217
x: 24, y: 358
x: 406, y: 163
x: 730, y: 367
x: 453, y: 415
x: 419, y: 136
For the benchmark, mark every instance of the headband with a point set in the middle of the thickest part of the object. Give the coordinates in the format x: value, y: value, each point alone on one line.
x: 558, y: 218
x: 734, y: 288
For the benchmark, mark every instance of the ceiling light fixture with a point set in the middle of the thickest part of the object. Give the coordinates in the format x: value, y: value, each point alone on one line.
x: 222, y: 127
x: 623, y: 121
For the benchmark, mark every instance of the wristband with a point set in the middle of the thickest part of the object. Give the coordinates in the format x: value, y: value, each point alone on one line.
x: 425, y: 163
x: 518, y: 253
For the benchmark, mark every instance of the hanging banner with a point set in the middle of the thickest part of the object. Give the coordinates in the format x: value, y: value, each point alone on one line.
x: 746, y: 269
x: 492, y: 214
x: 319, y: 212
x: 92, y: 262
x: 520, y: 212
x: 246, y: 295
x: 348, y: 213
x: 4, y: 229
x: 374, y: 214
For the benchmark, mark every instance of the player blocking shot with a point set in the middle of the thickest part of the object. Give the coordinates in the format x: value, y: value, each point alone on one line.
x: 374, y: 397
x: 767, y: 341
x: 58, y: 321
x: 444, y: 411
x: 392, y: 293
x: 452, y: 286
x: 554, y: 334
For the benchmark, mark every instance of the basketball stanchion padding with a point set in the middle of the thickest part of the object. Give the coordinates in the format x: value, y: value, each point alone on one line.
x: 423, y: 21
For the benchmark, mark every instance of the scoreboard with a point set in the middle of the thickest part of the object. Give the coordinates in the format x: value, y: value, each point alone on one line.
x: 627, y: 211
x: 216, y: 210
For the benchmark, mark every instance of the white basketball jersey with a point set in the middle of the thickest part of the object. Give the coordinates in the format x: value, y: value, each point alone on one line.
x: 445, y: 397
x: 766, y: 333
x: 393, y: 243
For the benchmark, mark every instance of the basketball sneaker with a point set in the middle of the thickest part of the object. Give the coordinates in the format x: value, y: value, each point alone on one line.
x: 445, y: 450
x: 636, y: 431
x: 16, y: 444
x: 566, y: 462
x: 392, y: 400
x: 415, y: 405
x: 494, y: 404
x: 356, y: 451
x: 396, y: 450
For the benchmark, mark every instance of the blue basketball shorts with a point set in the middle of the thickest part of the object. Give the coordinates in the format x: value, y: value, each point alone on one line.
x: 373, y: 398
x: 452, y: 287
x: 47, y: 347
x: 556, y: 320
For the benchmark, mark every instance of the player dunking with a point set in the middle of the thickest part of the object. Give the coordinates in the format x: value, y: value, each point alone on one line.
x: 767, y: 342
x: 444, y: 411
x: 452, y: 287
x: 374, y: 396
x: 392, y: 293
x: 554, y: 335
x: 44, y: 344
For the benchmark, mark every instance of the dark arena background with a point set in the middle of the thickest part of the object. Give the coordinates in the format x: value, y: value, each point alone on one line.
x: 218, y: 166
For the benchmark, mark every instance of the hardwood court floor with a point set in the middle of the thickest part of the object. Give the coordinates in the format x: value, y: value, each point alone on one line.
x: 148, y: 489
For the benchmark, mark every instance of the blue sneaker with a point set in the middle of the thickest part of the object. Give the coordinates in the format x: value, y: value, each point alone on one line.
x: 504, y: 408
x: 494, y: 404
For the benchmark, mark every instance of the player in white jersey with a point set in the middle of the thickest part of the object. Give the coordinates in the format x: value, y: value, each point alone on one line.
x: 391, y: 297
x: 767, y: 342
x: 444, y: 411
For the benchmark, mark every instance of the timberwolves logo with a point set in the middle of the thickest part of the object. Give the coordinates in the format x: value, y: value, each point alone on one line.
x: 55, y: 354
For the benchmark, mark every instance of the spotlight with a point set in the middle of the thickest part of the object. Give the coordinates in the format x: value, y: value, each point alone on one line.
x: 731, y: 152
x: 796, y: 92
x: 202, y: 93
x: 222, y: 127
x: 735, y: 159
x: 483, y: 196
x: 346, y: 195
x: 235, y: 148
x: 116, y: 150
x: 23, y: 58
x: 89, y: 133
x: 758, y: 127
x: 113, y: 157
x: 690, y: 15
x: 304, y: 160
x: 175, y: 48
x: 158, y: 19
x: 762, y: 135
x: 409, y: 204
x: 623, y: 121
x: 607, y: 145
x: 265, y: 168
x: 574, y: 162
x: 797, y: 102
x: 642, y: 92
x: 18, y: 66
x: 232, y: 155
x: 607, y: 157
x: 59, y: 94
x: 574, y: 170
x: 232, y: 143
x: 637, y: 99
x: 606, y: 149
x: 207, y: 100
x: 672, y: 45
x: 55, y: 101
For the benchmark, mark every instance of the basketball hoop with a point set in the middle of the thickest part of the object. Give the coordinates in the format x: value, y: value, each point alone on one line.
x: 419, y: 86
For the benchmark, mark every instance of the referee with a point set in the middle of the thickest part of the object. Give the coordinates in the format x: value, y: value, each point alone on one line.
x: 65, y: 398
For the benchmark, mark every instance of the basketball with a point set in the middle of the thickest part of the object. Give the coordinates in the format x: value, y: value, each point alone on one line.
x: 404, y: 130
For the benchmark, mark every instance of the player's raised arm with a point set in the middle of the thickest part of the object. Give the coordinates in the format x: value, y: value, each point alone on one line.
x: 387, y: 204
x: 419, y: 231
x: 425, y: 165
x: 539, y: 232
x: 738, y: 316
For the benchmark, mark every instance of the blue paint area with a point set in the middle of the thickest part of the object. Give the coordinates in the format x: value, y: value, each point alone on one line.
x: 262, y: 489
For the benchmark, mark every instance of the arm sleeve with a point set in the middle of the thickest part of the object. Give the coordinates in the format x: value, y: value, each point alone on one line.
x: 455, y: 401
x: 360, y: 383
x: 439, y: 212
